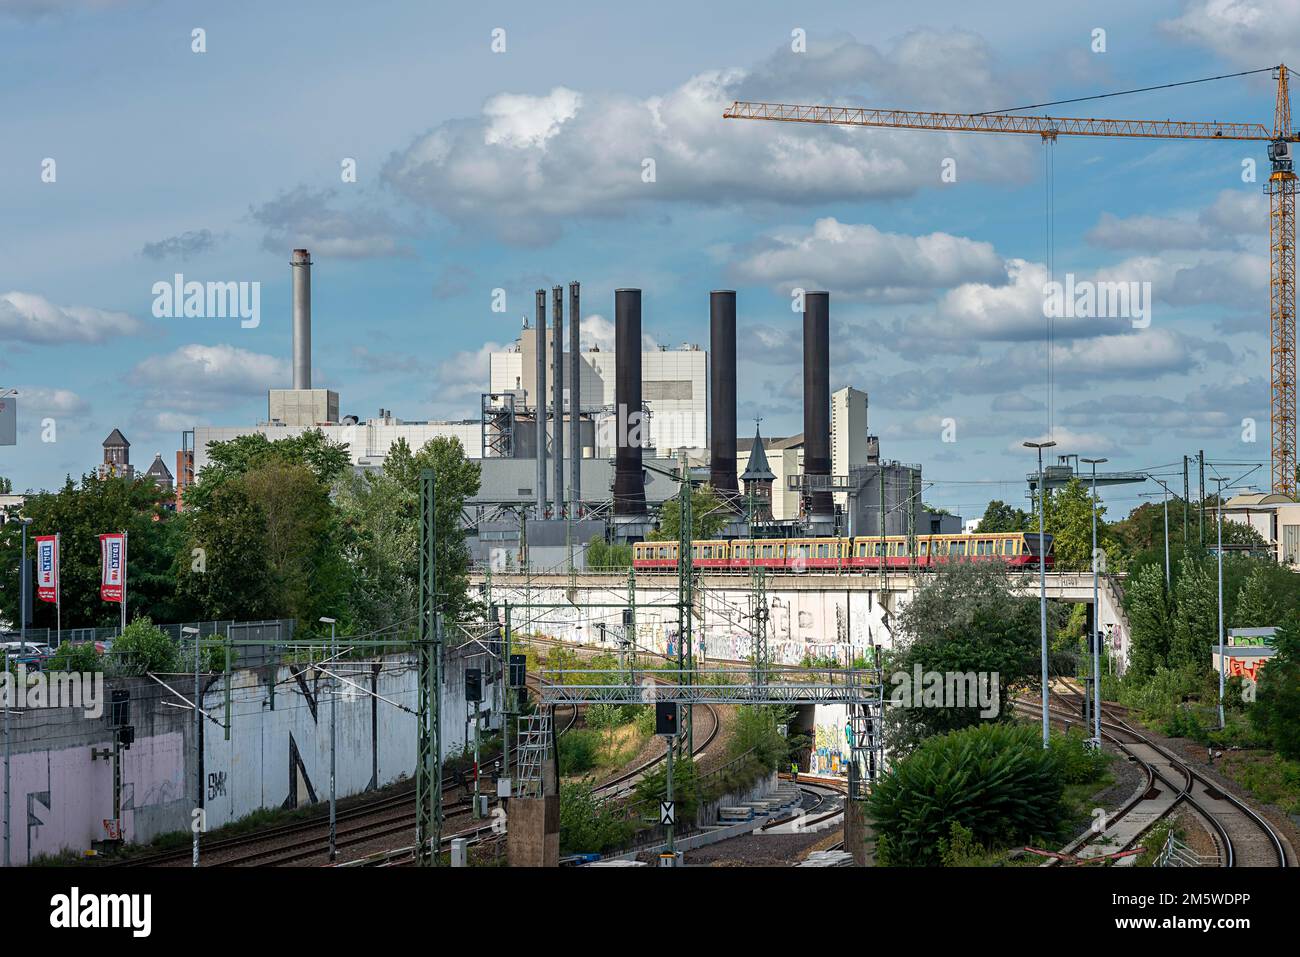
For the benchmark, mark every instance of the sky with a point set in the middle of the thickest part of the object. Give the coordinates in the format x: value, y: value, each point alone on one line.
x: 506, y: 147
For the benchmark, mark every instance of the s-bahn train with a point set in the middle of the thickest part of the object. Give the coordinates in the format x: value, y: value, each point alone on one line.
x: 808, y: 554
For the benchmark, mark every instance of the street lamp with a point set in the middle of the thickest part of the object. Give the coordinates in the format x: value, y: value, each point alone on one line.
x: 1042, y: 570
x: 1096, y: 611
x: 198, y: 763
x: 333, y: 727
x: 1218, y: 508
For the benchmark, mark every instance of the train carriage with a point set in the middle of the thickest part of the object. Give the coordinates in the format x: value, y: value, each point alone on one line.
x: 1018, y: 549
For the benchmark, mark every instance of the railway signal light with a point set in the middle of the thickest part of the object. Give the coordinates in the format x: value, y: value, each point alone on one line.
x: 473, y: 684
x: 666, y: 717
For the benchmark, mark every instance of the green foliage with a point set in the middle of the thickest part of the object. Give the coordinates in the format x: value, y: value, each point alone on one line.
x: 960, y: 849
x: 1150, y: 613
x: 578, y: 750
x: 995, y: 780
x: 965, y: 619
x: 1001, y: 517
x: 708, y: 516
x: 143, y: 648
x: 1257, y: 603
x: 80, y: 514
x: 226, y: 571
x: 1069, y: 519
x: 754, y: 729
x: 1160, y: 694
x: 588, y: 825
x: 326, y: 460
x: 653, y: 787
x: 79, y: 657
x: 1196, y: 615
x: 602, y: 554
x: 1077, y: 763
x: 1275, y: 712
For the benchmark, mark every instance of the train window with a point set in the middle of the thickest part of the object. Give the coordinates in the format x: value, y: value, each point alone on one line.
x: 1013, y: 547
x: 925, y: 548
x: 958, y: 549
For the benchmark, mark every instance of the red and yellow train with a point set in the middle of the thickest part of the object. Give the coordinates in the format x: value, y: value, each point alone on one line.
x: 807, y: 554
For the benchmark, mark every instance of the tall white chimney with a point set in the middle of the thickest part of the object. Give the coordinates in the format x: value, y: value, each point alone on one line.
x: 301, y: 264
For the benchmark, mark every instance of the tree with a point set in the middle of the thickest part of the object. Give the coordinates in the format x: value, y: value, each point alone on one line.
x: 1196, y: 618
x: 325, y: 459
x: 968, y: 618
x: 1276, y: 709
x: 708, y: 516
x: 1257, y: 604
x: 225, y: 571
x: 1150, y: 614
x: 80, y: 513
x: 1001, y: 517
x: 142, y: 648
x: 1069, y: 520
x: 6, y: 485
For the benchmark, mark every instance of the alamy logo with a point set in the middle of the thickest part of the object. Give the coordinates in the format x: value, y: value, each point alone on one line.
x: 212, y: 300
x: 75, y: 910
x: 946, y: 689
x: 1084, y: 299
x: 56, y: 689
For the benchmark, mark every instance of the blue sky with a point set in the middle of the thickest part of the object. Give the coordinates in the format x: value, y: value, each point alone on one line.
x: 480, y: 170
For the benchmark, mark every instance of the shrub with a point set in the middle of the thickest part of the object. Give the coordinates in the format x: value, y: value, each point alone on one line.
x: 653, y: 788
x: 995, y: 780
x: 1078, y: 763
x: 81, y: 656
x: 578, y: 749
x: 587, y: 825
x: 143, y: 648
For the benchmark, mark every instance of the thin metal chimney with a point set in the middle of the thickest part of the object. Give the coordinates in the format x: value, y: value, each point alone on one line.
x: 575, y: 404
x: 557, y: 370
x: 539, y: 400
x: 722, y: 404
x: 301, y: 269
x: 629, y: 479
x: 817, y: 402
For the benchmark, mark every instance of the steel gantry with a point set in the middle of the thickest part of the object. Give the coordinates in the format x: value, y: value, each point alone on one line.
x: 428, y: 768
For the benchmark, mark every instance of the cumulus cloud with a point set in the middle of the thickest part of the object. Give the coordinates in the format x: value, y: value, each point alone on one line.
x: 1067, y: 438
x: 1248, y: 33
x: 1232, y: 216
x: 528, y: 163
x: 860, y: 260
x: 305, y: 218
x: 39, y: 402
x: 184, y: 246
x: 597, y: 332
x: 28, y: 317
x: 461, y: 379
x: 197, y: 377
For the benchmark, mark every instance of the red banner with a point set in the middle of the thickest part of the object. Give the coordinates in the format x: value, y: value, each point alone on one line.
x: 112, y: 580
x: 47, y: 568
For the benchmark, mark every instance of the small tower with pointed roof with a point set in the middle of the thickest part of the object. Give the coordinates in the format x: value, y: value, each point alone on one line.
x: 758, y: 479
x: 117, y: 457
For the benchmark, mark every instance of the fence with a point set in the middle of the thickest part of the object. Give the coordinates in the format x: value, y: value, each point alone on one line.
x: 1177, y: 854
x: 271, y: 633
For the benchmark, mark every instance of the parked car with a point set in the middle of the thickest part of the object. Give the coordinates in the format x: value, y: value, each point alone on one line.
x: 30, y: 653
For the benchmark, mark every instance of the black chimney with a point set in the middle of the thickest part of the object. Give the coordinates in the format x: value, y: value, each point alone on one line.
x: 722, y: 405
x: 629, y: 480
x: 817, y: 402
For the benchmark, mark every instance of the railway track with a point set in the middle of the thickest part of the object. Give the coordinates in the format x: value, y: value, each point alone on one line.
x: 1244, y: 837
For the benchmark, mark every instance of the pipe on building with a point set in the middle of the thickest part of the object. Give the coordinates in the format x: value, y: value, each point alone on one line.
x: 629, y: 479
x: 817, y: 402
x: 575, y: 403
x: 539, y: 400
x: 300, y: 267
x: 722, y: 404
x: 557, y: 402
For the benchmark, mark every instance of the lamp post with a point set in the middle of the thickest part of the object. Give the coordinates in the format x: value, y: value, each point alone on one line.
x: 1042, y: 570
x: 196, y: 826
x: 333, y: 727
x: 1096, y: 612
x: 1218, y: 509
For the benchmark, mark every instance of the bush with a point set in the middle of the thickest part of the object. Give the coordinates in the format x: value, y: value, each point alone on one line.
x: 143, y: 648
x: 587, y: 825
x: 653, y: 788
x: 82, y: 657
x: 578, y: 749
x: 994, y: 780
x: 1078, y: 763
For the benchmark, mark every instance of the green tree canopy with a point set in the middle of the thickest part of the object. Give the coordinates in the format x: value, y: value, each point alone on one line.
x: 1001, y: 517
x: 708, y: 516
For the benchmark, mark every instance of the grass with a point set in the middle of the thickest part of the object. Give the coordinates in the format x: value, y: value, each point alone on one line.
x: 1269, y: 777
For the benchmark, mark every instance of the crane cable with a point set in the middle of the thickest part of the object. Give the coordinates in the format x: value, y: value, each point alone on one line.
x: 1144, y: 89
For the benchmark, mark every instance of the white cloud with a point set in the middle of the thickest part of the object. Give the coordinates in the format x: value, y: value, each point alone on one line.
x: 528, y: 164
x: 1233, y: 216
x: 39, y: 402
x: 860, y: 260
x: 597, y: 331
x: 28, y: 317
x: 1083, y: 442
x: 1249, y: 33
x: 198, y: 377
x: 305, y: 218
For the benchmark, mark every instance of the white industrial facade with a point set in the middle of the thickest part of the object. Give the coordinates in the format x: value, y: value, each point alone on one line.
x: 674, y: 387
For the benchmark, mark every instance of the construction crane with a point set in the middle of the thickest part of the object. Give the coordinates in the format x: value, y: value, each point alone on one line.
x: 1281, y: 189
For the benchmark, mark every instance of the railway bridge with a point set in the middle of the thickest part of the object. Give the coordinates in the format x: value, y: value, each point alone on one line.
x: 810, y: 615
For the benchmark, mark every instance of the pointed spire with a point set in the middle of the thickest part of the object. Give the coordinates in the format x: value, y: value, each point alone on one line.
x: 757, y: 470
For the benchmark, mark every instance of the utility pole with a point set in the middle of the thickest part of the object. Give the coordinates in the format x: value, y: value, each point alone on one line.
x: 1218, y: 511
x: 1187, y: 498
x: 1201, y: 459
x: 1096, y: 609
x: 685, y: 596
x: 884, y: 571
x: 196, y: 826
x: 334, y: 654
x: 1042, y: 573
x: 428, y: 769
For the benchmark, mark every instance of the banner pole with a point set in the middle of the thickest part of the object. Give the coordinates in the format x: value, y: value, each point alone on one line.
x: 58, y: 586
x: 124, y: 560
